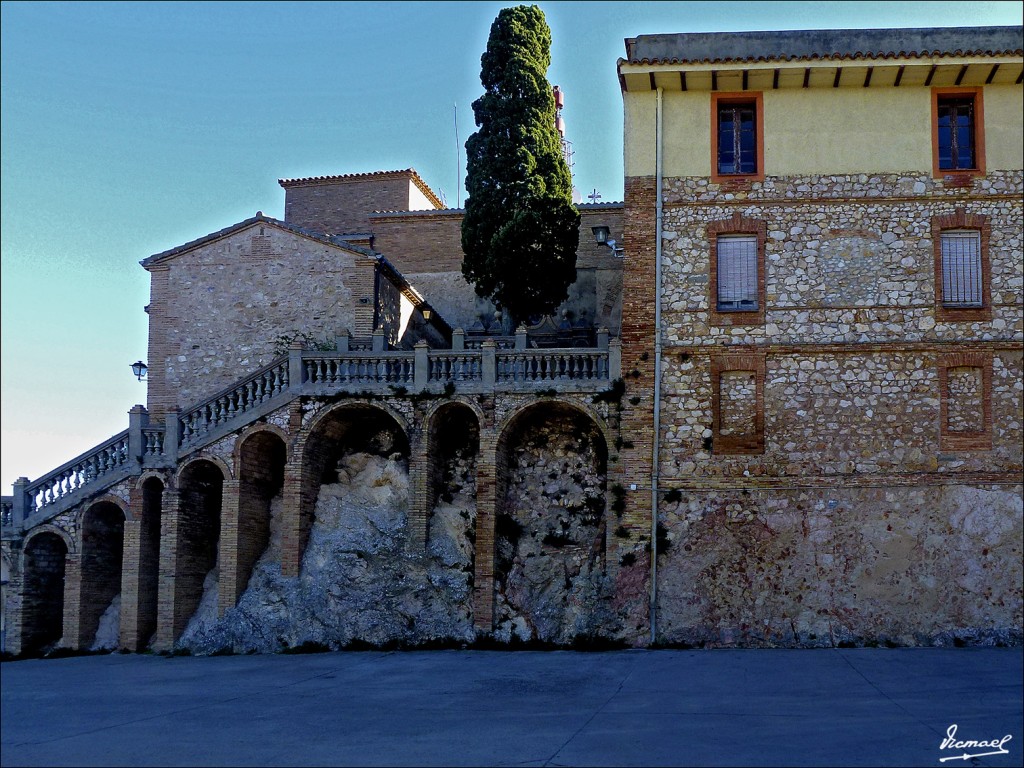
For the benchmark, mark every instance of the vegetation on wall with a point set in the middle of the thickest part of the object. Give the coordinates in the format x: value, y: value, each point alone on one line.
x: 521, y: 230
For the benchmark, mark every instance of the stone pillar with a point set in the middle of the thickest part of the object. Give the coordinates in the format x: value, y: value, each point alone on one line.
x: 614, y: 359
x: 520, y: 338
x: 342, y: 340
x: 73, y: 603
x: 488, y: 364
x: 232, y: 581
x: 21, y: 508
x: 378, y: 340
x: 421, y: 375
x: 296, y: 371
x: 486, y: 511
x: 172, y: 435
x: 458, y: 340
x: 138, y: 418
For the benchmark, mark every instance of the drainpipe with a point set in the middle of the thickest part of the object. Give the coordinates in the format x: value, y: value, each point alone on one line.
x: 656, y: 449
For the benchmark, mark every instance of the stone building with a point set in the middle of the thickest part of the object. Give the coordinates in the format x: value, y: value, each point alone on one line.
x: 828, y: 362
x: 814, y: 411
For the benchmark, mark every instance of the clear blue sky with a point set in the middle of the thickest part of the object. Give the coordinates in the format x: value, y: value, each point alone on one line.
x: 130, y: 128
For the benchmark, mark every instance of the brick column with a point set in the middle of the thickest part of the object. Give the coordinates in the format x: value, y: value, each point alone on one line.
x: 73, y: 602
x: 486, y: 510
x: 130, y: 575
x: 232, y: 581
x: 168, y: 626
x: 637, y: 370
x: 293, y: 539
x: 13, y: 600
x: 421, y: 463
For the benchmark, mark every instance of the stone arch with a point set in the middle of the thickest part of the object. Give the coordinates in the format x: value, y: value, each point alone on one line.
x: 42, y: 603
x: 102, y: 561
x: 200, y: 494
x: 336, y: 433
x: 550, y: 526
x: 451, y: 458
x: 107, y: 498
x: 261, y: 456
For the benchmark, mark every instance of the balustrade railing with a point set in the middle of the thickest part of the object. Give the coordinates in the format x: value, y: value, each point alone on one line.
x: 550, y: 365
x: 311, y: 372
x: 266, y: 383
x: 77, y: 473
x: 359, y: 369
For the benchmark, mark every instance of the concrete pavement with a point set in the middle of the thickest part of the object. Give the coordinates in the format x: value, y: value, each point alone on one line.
x: 694, y: 707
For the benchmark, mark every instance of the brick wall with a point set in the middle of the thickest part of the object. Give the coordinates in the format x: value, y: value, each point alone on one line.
x: 340, y: 206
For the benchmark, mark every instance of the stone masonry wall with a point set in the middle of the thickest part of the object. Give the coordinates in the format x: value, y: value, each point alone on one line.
x: 854, y: 517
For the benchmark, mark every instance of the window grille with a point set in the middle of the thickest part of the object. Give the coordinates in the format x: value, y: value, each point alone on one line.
x: 737, y: 272
x: 737, y: 138
x: 961, y: 268
x: 956, y: 134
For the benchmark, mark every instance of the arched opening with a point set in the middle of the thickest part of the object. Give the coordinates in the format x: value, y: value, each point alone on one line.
x: 454, y: 444
x: 262, y: 460
x: 149, y: 557
x: 42, y: 607
x: 550, y: 525
x: 102, y: 553
x: 343, y: 448
x: 200, y: 491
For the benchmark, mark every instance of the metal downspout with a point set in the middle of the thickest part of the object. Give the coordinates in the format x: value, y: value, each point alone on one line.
x: 656, y: 448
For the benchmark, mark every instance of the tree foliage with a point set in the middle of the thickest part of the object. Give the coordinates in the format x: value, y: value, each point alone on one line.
x: 521, y: 230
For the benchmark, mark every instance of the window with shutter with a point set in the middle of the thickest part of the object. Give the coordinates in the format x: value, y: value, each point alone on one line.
x: 961, y: 268
x: 737, y: 273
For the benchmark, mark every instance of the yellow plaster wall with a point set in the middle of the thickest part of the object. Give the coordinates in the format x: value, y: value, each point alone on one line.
x: 817, y: 130
x: 1004, y: 116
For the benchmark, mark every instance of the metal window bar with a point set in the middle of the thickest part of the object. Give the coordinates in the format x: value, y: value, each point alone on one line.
x: 737, y: 273
x: 961, y: 268
x: 956, y: 134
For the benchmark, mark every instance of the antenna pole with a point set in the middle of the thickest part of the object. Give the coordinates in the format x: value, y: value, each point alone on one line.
x: 458, y: 186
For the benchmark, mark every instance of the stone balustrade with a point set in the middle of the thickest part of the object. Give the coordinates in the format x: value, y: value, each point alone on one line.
x: 490, y: 367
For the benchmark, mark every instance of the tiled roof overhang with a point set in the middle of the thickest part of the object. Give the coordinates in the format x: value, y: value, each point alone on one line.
x: 735, y: 61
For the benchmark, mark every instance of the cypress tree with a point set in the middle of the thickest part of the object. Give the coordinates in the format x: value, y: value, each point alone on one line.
x: 521, y: 230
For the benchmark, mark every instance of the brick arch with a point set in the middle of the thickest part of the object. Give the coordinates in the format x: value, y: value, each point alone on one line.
x: 107, y: 498
x: 102, y: 564
x: 256, y: 429
x: 327, y: 438
x: 445, y: 453
x: 550, y: 515
x: 44, y: 564
x: 197, y: 530
x: 151, y: 474
x: 583, y: 408
x: 69, y: 542
x: 261, y: 458
x: 217, y: 461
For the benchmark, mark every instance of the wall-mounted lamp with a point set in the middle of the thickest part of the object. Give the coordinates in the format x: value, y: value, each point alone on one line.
x: 427, y: 313
x: 139, y: 368
x: 602, y: 237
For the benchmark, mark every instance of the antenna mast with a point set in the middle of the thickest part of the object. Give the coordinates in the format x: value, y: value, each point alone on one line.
x: 458, y: 186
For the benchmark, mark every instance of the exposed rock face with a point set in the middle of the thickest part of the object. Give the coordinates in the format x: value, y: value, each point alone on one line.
x: 549, y: 563
x: 358, y: 582
x: 108, y: 632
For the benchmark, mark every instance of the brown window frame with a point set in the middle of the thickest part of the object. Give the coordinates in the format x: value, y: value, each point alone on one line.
x: 948, y: 94
x: 965, y: 441
x: 961, y: 220
x: 755, y: 99
x: 737, y: 445
x: 736, y: 225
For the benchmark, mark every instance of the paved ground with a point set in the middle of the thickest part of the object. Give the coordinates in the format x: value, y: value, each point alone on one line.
x: 775, y: 708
